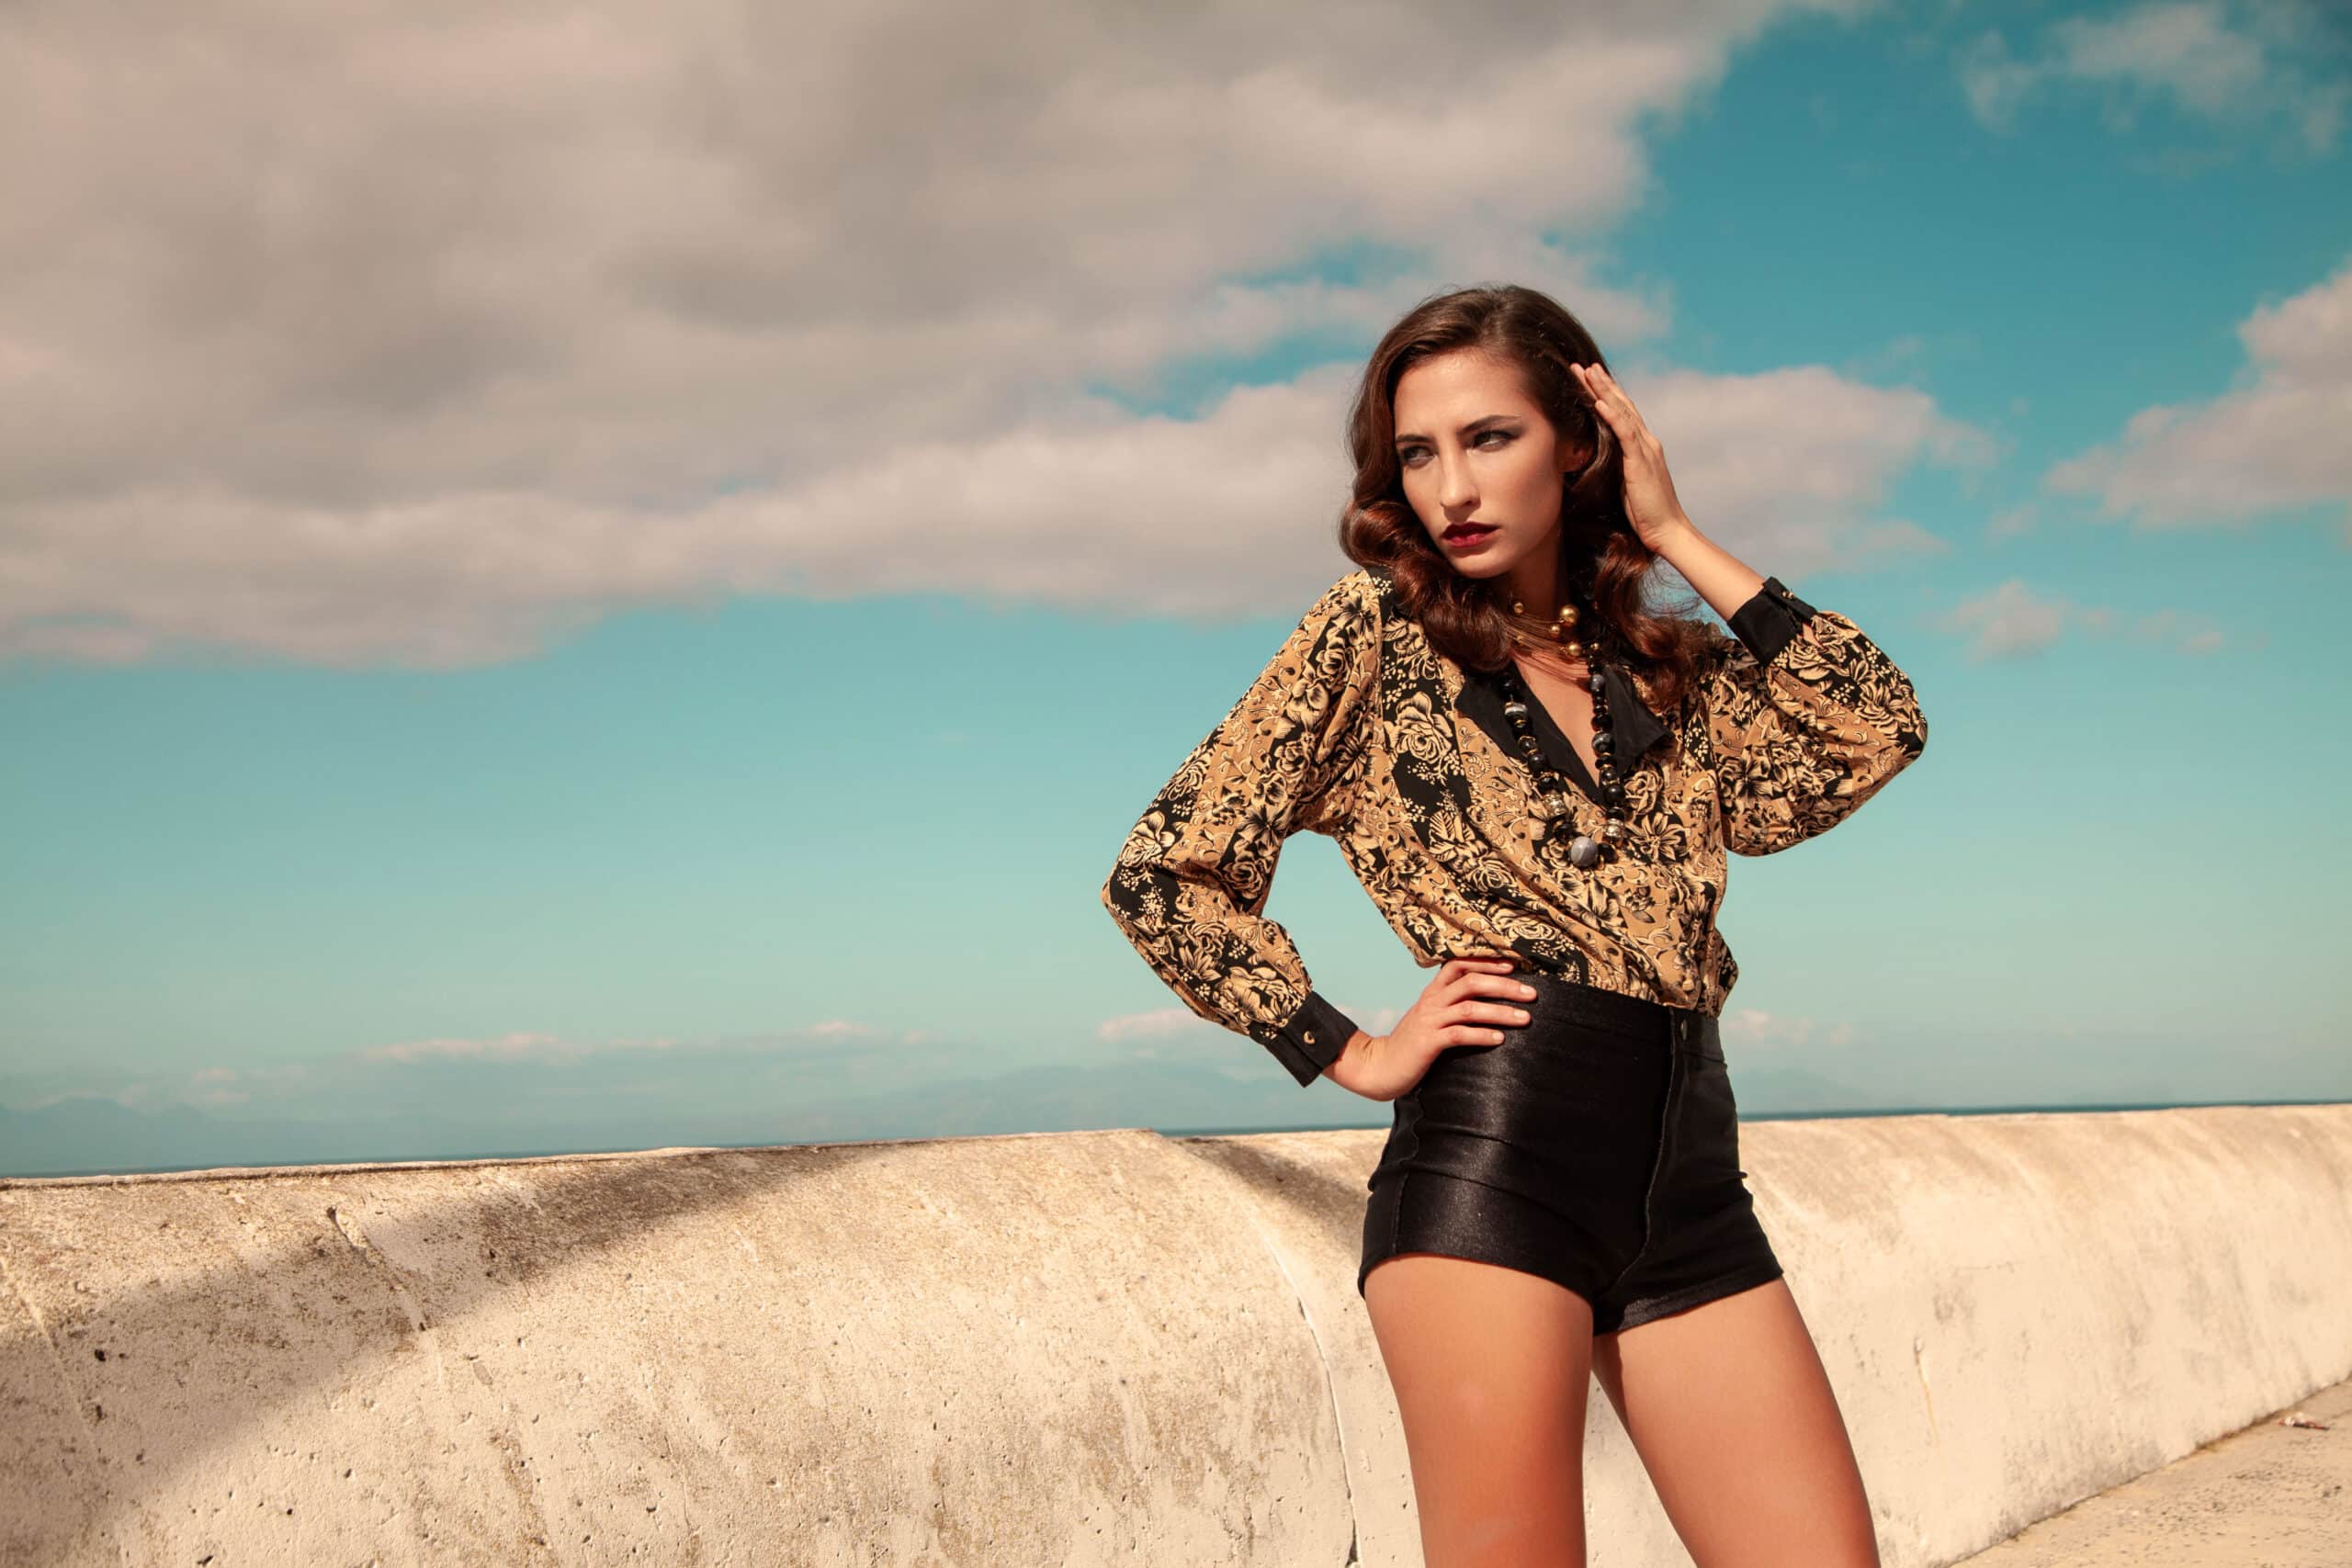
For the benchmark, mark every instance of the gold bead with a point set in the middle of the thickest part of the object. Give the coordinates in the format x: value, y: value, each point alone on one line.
x: 1568, y: 614
x: 1573, y: 649
x: 1518, y: 608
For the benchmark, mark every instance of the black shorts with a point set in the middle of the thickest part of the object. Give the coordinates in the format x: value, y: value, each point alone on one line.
x: 1598, y: 1145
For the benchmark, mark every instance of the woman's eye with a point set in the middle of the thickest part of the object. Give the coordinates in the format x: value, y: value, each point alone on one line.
x: 1406, y: 454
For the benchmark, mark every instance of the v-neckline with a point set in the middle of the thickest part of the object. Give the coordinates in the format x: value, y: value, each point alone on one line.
x: 1554, y: 740
x: 1633, y: 729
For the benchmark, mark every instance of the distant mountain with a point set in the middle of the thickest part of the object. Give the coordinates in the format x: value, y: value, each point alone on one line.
x: 91, y: 1136
x: 1213, y: 1091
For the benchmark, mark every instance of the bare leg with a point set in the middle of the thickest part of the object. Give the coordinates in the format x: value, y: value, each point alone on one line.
x: 1492, y: 1369
x: 1736, y: 1424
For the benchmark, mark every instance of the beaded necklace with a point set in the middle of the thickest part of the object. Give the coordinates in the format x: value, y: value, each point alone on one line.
x: 1552, y: 801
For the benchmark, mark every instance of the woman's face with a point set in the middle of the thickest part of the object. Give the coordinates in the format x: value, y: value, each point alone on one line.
x: 1480, y: 464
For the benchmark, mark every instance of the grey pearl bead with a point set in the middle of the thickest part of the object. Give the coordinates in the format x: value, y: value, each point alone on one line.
x: 1585, y: 854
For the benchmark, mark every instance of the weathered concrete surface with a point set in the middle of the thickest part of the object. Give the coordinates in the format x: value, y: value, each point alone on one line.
x: 1070, y: 1348
x: 1000, y: 1350
x: 2020, y: 1310
x: 2015, y: 1312
x: 2270, y: 1496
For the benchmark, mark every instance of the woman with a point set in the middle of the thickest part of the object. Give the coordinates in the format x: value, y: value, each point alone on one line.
x: 1538, y: 776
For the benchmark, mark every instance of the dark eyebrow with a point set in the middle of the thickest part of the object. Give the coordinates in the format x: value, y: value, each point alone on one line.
x: 1468, y: 430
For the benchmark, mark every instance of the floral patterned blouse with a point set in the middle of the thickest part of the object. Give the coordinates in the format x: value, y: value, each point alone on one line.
x: 1361, y: 730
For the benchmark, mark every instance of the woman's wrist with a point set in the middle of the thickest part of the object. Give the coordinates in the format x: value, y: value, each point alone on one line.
x: 1349, y: 1054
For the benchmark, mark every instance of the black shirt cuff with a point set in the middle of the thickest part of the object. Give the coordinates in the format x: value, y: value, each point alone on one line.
x: 1770, y: 620
x: 1311, y: 1040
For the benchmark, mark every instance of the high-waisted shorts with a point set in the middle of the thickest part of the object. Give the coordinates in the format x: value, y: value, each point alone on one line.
x: 1597, y: 1146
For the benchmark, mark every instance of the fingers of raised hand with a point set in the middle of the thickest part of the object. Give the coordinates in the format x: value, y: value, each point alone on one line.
x: 1604, y: 386
x: 1615, y: 406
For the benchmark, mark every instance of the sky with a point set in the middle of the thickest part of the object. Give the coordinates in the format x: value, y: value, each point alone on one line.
x: 599, y: 576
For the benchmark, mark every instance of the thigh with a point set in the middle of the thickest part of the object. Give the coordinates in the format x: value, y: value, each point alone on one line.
x: 1735, y: 1422
x: 1491, y: 1369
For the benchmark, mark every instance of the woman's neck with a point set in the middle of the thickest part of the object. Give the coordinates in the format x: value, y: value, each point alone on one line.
x: 1536, y: 581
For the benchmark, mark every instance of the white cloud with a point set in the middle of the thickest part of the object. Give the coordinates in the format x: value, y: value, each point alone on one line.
x: 2007, y: 622
x: 1755, y: 1026
x: 2011, y: 522
x: 2274, y: 442
x: 2013, y: 621
x: 1789, y: 465
x: 519, y: 1046
x: 355, y: 332
x: 216, y: 1085
x: 1156, y: 1024
x: 2188, y: 50
x: 523, y: 1045
x: 2210, y: 60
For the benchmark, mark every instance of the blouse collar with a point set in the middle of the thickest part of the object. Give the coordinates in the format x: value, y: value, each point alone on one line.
x: 1634, y: 728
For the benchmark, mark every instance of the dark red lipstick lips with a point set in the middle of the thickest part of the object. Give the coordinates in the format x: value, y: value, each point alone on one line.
x: 1469, y: 532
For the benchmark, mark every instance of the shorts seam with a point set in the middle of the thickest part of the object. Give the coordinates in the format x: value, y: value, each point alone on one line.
x: 1589, y: 1297
x: 1650, y: 1308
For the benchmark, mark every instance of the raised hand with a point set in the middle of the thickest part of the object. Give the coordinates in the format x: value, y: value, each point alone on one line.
x: 1651, y: 505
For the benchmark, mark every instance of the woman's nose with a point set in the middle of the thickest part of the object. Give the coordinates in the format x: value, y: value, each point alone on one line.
x: 1455, y: 488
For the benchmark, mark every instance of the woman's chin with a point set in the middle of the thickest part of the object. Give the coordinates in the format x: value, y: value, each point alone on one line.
x: 1492, y: 558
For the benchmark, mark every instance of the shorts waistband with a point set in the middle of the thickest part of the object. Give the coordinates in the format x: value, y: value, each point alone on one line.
x: 1638, y: 1017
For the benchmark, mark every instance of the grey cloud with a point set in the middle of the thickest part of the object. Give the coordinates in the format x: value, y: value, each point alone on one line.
x: 2245, y: 62
x: 362, y: 332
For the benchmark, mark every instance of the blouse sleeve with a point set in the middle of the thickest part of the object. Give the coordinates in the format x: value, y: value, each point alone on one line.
x: 1808, y: 718
x: 1194, y: 876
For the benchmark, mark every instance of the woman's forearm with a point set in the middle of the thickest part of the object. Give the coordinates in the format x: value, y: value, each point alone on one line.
x: 1721, y: 578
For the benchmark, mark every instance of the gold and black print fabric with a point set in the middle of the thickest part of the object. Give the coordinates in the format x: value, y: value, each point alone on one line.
x: 1357, y: 728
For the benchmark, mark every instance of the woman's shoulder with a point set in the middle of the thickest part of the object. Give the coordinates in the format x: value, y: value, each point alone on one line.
x: 1338, y: 640
x: 1360, y: 597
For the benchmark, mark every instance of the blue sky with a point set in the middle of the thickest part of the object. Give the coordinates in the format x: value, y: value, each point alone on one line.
x: 644, y: 635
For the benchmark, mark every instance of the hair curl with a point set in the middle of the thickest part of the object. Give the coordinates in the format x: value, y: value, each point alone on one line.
x: 1602, y: 560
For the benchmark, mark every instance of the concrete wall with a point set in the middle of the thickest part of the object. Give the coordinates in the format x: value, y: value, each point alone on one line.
x: 1069, y: 1348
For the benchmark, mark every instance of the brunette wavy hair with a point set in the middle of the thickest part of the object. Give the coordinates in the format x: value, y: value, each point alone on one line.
x: 1603, y: 562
